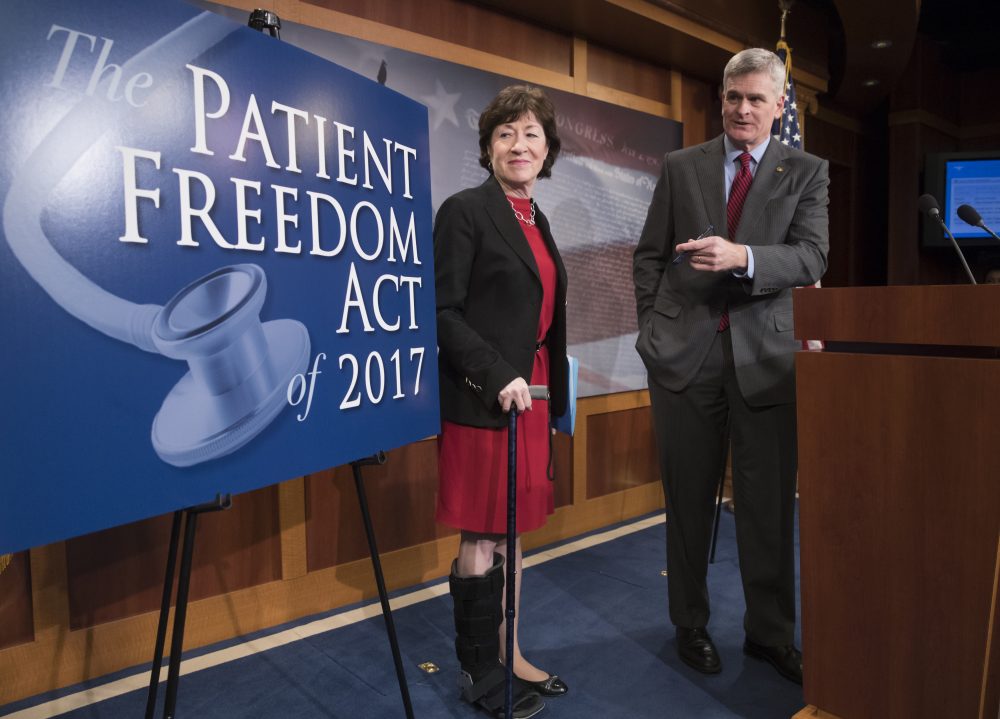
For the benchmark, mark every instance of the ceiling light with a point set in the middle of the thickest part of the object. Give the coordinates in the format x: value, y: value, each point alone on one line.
x: 881, y: 44
x: 870, y: 82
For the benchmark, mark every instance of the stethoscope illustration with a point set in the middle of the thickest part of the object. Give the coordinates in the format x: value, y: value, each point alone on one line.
x: 238, y: 367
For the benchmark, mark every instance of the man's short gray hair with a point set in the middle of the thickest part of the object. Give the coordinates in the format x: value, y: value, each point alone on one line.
x: 756, y: 59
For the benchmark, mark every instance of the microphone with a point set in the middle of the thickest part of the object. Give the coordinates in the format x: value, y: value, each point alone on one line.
x: 969, y: 216
x: 929, y: 206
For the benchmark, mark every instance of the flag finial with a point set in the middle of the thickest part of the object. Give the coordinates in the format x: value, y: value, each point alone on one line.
x: 786, y: 7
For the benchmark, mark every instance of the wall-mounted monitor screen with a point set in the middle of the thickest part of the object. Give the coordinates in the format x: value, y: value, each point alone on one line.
x: 963, y: 178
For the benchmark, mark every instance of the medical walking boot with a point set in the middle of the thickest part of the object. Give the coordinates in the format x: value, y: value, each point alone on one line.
x: 478, y: 614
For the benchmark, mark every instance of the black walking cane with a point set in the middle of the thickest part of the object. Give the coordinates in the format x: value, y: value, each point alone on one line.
x: 511, y: 548
x: 535, y: 391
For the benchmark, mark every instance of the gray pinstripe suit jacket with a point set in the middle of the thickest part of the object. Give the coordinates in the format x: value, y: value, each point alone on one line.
x: 785, y: 222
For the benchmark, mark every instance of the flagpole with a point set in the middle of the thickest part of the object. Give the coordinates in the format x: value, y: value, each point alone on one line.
x: 789, y: 127
x: 782, y: 47
x: 786, y: 7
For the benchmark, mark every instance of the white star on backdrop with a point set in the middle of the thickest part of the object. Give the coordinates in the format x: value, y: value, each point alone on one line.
x: 441, y: 105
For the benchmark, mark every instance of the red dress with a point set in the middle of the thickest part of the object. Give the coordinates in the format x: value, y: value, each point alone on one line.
x: 472, y: 461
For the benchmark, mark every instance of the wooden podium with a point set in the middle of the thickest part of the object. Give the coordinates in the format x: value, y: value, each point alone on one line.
x: 899, y: 482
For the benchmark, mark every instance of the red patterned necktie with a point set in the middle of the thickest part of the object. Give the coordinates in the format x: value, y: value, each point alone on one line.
x: 734, y: 208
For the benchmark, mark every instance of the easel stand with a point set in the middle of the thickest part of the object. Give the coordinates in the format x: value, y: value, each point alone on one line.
x: 383, y: 595
x: 718, y: 499
x: 180, y: 614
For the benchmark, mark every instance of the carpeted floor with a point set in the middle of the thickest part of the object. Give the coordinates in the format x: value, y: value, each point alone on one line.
x: 597, y: 616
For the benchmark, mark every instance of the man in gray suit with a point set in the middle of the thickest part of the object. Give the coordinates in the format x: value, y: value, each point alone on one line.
x: 715, y: 333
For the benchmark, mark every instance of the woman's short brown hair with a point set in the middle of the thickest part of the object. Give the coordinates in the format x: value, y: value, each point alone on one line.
x: 510, y: 104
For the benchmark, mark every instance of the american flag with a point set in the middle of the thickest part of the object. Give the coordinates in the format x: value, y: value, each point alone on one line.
x: 787, y: 130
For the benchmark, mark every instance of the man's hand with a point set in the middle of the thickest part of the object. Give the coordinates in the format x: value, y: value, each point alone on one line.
x: 715, y: 254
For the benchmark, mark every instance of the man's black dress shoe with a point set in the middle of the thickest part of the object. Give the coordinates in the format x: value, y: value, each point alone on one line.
x: 696, y: 650
x: 786, y: 659
x: 553, y: 686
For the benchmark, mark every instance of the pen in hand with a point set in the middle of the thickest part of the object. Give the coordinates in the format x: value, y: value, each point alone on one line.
x: 681, y: 256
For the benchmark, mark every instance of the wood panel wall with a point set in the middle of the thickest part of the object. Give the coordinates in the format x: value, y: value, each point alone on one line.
x: 934, y: 109
x: 118, y: 572
x: 836, y: 139
x: 16, y: 618
x: 85, y: 607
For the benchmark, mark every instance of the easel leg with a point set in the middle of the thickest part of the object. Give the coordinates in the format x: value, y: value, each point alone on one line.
x: 190, y: 516
x: 161, y: 629
x: 180, y: 616
x: 390, y: 627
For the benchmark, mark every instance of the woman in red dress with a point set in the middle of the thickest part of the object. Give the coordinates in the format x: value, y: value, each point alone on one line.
x: 501, y: 314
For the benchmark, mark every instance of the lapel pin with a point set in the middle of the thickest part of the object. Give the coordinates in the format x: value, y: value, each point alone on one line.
x: 779, y: 168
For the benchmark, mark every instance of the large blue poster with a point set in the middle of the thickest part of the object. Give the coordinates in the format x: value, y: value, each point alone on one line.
x: 215, y: 265
x: 596, y: 199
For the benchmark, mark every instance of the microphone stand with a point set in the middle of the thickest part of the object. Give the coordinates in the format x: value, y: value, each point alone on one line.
x: 969, y: 215
x: 937, y: 216
x: 983, y: 226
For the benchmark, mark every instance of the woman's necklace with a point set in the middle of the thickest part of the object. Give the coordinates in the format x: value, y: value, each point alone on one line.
x: 526, y: 220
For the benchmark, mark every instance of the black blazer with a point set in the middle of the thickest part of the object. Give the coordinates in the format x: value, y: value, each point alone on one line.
x: 489, y: 297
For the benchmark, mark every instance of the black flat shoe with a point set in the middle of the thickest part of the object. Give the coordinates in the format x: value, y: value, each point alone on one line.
x: 553, y: 686
x: 696, y: 650
x: 786, y: 659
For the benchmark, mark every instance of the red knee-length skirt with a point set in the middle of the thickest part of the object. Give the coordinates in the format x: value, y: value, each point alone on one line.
x: 472, y: 462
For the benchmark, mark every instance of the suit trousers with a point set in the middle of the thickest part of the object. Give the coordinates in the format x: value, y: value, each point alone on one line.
x: 690, y: 428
